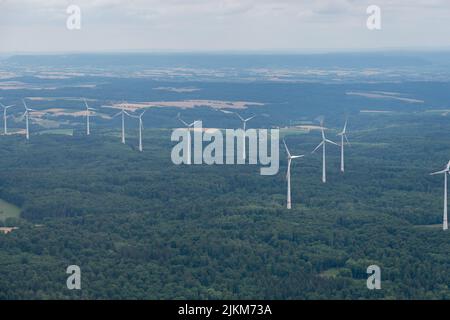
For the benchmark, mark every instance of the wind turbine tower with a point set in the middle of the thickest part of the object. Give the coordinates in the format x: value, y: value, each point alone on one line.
x: 26, y: 115
x: 323, y: 145
x: 188, y: 126
x: 288, y: 174
x: 244, y: 124
x: 88, y: 113
x: 5, y: 125
x: 141, y: 127
x: 123, y: 113
x: 445, y: 172
x: 343, y: 135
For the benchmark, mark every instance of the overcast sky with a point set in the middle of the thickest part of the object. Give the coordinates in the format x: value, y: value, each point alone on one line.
x: 199, y: 25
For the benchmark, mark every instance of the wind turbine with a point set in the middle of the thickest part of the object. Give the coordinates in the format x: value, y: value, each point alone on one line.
x: 323, y: 144
x: 188, y: 126
x: 244, y: 123
x: 141, y: 127
x: 88, y: 113
x: 445, y: 172
x: 123, y: 113
x: 343, y: 135
x: 5, y: 127
x: 288, y: 174
x: 26, y: 115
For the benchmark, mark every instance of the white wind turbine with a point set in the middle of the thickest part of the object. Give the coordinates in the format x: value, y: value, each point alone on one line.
x: 88, y: 114
x: 445, y: 172
x: 244, y: 123
x: 288, y: 173
x: 343, y: 135
x: 188, y: 126
x: 26, y: 115
x: 5, y: 126
x: 323, y: 144
x: 123, y: 113
x: 141, y: 127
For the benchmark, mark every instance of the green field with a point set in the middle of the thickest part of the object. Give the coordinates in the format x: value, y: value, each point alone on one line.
x: 68, y: 132
x: 8, y: 210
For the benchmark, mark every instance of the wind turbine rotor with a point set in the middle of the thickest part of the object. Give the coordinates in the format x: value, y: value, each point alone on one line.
x: 7, y: 107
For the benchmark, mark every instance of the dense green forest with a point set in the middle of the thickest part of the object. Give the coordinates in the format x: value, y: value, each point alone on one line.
x: 142, y: 228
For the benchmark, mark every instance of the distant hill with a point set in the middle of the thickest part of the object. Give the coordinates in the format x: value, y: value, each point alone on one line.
x: 221, y: 60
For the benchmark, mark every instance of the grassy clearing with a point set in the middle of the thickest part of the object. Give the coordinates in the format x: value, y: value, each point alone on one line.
x: 67, y: 132
x: 8, y: 210
x: 336, y: 272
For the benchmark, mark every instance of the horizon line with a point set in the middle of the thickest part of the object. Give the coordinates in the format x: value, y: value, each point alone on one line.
x: 237, y: 51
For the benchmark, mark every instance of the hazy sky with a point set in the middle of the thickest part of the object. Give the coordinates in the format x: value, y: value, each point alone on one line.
x: 117, y: 25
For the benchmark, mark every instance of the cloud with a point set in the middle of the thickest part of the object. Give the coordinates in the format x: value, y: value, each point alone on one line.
x: 221, y: 24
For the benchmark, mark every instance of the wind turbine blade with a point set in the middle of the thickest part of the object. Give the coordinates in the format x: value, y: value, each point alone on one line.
x: 181, y: 120
x: 320, y: 144
x: 1, y: 104
x: 24, y: 104
x: 296, y: 157
x: 345, y: 126
x: 248, y: 119
x: 438, y: 172
x: 193, y: 123
x: 117, y: 114
x: 329, y: 141
x: 225, y: 111
x: 346, y: 139
x: 242, y: 119
x: 142, y: 113
x: 23, y: 115
x: 287, y: 150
